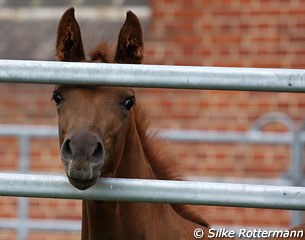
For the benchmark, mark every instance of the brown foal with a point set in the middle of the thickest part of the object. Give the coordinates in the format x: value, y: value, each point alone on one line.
x: 103, y: 133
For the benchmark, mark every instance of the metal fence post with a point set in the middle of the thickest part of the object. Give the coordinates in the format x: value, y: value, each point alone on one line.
x: 296, y: 171
x: 296, y: 147
x: 23, y: 203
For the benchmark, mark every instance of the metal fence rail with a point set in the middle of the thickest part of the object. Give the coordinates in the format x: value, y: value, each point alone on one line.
x: 161, y: 191
x: 153, y: 76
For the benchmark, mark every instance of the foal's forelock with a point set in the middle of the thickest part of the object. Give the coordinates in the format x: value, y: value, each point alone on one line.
x: 101, y: 53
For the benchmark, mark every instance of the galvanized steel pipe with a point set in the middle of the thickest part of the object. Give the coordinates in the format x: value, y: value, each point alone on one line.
x: 252, y: 136
x: 140, y: 190
x: 153, y: 76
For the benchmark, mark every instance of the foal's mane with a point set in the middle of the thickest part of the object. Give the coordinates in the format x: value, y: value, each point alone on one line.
x: 161, y: 162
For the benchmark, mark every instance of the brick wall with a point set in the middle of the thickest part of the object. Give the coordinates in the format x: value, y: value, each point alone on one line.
x: 239, y: 33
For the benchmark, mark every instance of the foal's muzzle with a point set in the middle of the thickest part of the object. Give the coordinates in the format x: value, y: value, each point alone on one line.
x: 83, y: 157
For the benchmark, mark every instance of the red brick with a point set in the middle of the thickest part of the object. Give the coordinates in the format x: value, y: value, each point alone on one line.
x: 8, y: 234
x: 46, y: 235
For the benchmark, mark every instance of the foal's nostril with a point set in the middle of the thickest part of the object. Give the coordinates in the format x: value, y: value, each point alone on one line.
x: 66, y: 149
x: 98, y: 151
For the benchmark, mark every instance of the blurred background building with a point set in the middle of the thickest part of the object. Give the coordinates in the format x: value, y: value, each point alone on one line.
x: 239, y: 33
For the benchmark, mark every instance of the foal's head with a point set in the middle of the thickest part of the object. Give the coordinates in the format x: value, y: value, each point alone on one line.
x: 93, y: 119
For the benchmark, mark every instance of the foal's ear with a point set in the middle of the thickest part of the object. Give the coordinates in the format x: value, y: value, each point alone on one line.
x: 130, y: 43
x: 69, y: 45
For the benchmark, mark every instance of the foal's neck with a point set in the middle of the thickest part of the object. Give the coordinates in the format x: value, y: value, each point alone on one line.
x: 133, y: 162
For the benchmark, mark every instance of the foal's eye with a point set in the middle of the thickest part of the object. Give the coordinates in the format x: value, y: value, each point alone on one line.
x: 57, y: 98
x: 129, y: 102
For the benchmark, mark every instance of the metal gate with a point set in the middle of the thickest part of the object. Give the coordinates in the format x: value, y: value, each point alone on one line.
x: 183, y: 77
